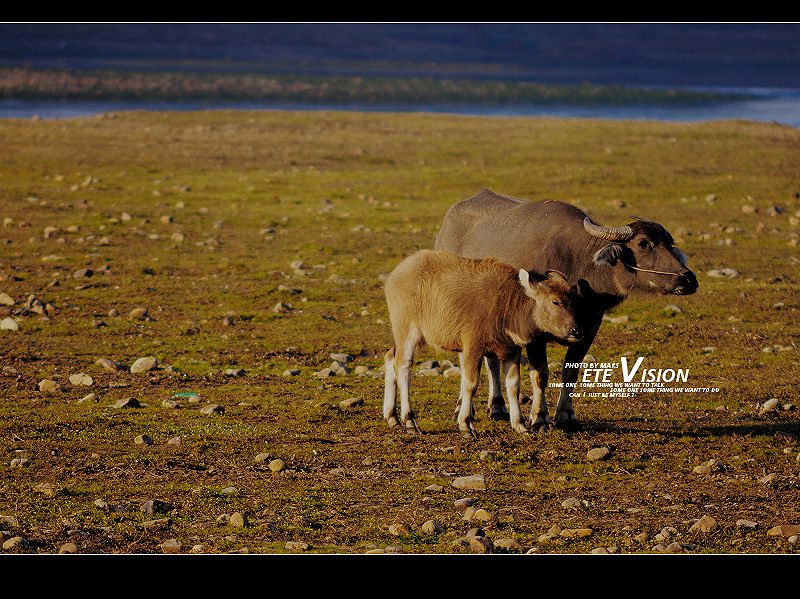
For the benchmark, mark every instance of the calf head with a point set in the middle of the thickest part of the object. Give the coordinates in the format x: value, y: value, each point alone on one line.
x: 645, y: 257
x: 556, y: 301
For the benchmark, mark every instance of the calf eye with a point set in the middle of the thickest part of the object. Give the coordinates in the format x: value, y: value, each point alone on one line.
x: 556, y: 302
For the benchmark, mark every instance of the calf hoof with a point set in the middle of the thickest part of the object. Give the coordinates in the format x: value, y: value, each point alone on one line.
x: 520, y: 428
x: 411, y: 426
x: 468, y: 432
x: 392, y: 421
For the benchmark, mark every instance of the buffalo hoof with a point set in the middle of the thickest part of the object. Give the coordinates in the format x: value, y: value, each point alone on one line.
x: 498, y: 412
x: 568, y: 426
x: 524, y: 400
x: 542, y: 426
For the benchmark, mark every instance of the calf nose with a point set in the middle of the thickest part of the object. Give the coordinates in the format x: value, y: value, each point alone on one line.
x: 575, y: 332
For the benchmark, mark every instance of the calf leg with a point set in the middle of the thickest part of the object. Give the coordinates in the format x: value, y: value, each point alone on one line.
x: 457, y: 411
x: 404, y: 354
x: 511, y: 366
x: 565, y: 415
x: 537, y: 362
x: 389, y: 389
x: 470, y: 375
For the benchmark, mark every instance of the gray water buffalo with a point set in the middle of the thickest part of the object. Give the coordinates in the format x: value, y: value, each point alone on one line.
x: 543, y: 235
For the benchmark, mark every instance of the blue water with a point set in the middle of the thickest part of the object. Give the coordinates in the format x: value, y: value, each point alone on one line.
x: 780, y: 106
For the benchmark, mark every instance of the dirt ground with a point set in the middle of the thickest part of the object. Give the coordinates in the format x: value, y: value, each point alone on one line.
x: 201, y: 219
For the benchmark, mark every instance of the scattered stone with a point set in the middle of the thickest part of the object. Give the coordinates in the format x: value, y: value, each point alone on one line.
x: 20, y: 463
x: 575, y: 533
x: 377, y: 551
x: 111, y: 365
x: 571, y: 503
x: 482, y: 515
x: 291, y: 372
x: 68, y: 548
x: 16, y: 543
x: 212, y: 408
x: 600, y: 551
x: 746, y: 524
x: 749, y: 209
x: 464, y: 502
x: 49, y: 386
x: 324, y: 373
x: 174, y: 441
x: 144, y: 364
x: 282, y: 307
x: 469, y: 513
x: 83, y: 273
x: 170, y: 404
x: 91, y: 397
x: 351, y: 403
x: 138, y: 314
x: 81, y: 379
x: 704, y: 524
x: 239, y: 520
x: 6, y: 300
x: 397, y: 530
x: 768, y: 479
x: 429, y: 372
x: 454, y: 371
x: 673, y: 309
x: 9, y: 324
x: 481, y: 545
x: 155, y: 523
x: 237, y: 372
x: 296, y: 546
x: 277, y: 465
x: 678, y: 547
x: 130, y: 402
x: 46, y: 489
x: 262, y: 457
x: 199, y: 548
x: 432, y: 527
x: 785, y: 530
x: 642, y: 537
x: 598, y: 453
x: 156, y: 506
x: 143, y: 440
x: 171, y: 546
x: 723, y: 273
x: 472, y: 483
x: 620, y: 319
x: 345, y: 358
x: 510, y: 545
x: 769, y: 406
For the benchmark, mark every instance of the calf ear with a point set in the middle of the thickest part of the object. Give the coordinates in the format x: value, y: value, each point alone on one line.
x: 525, y: 281
x: 608, y: 255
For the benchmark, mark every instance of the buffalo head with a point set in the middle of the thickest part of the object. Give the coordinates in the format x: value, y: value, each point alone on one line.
x: 644, y: 256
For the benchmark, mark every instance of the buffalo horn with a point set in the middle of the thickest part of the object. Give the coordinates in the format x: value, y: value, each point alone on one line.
x: 610, y: 233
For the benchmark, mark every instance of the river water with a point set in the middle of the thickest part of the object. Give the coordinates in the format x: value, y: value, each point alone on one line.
x: 780, y: 106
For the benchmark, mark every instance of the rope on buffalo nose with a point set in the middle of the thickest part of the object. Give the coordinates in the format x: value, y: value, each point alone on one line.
x: 658, y: 272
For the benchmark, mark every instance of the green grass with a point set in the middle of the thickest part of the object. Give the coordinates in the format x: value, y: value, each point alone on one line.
x: 395, y: 175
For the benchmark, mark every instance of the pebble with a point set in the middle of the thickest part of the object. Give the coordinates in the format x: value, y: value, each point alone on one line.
x: 239, y: 520
x: 83, y: 273
x: 324, y: 373
x: 511, y: 545
x: 768, y: 479
x: 746, y: 524
x: 345, y: 358
x: 68, y: 548
x: 704, y: 524
x: 351, y: 403
x: 485, y: 454
x: 170, y: 403
x: 16, y: 543
x: 212, y: 408
x: 48, y: 386
x: 130, y: 402
x: 473, y: 483
x: 749, y: 209
x: 377, y: 551
x: 362, y: 369
x: 9, y: 324
x: 81, y: 379
x: 143, y: 440
x: 46, y: 489
x: 793, y: 539
x: 785, y: 530
x: 598, y: 453
x: 199, y: 548
x: 281, y: 307
x: 138, y: 313
x: 432, y: 527
x: 673, y: 309
x: 769, y: 406
x: 143, y: 364
x: 291, y: 372
x: 237, y: 372
x: 155, y: 506
x: 678, y: 547
x: 469, y: 513
x: 397, y: 530
x: 464, y: 502
x: 600, y: 551
x: 429, y: 372
x: 6, y: 300
x: 296, y: 546
x: 476, y: 532
x: 620, y: 319
x: 277, y: 465
x: 100, y: 504
x: 171, y: 546
x: 482, y: 515
x: 155, y: 523
x: 111, y: 365
x: 454, y: 371
x: 723, y: 273
x: 642, y: 537
x: 571, y: 503
x: 481, y: 545
x: 174, y: 441
x: 575, y: 533
x: 20, y: 463
x: 434, y: 488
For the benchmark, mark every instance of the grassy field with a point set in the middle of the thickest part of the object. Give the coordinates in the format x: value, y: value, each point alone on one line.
x: 199, y: 216
x: 131, y: 85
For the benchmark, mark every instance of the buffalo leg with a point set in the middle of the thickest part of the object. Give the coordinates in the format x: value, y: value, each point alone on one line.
x: 470, y: 375
x: 537, y: 362
x: 497, y: 407
x: 565, y: 415
x: 511, y: 367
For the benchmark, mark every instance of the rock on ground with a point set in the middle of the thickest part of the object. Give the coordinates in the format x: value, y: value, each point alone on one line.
x: 212, y: 408
x: 296, y: 546
x: 704, y: 524
x: 277, y: 465
x: 397, y: 530
x: 9, y: 324
x: 432, y: 527
x: 476, y: 482
x: 48, y: 386
x: 511, y: 545
x: 239, y: 520
x: 68, y: 548
x: 171, y: 546
x: 144, y: 364
x: 111, y: 365
x: 81, y: 379
x: 784, y: 530
x: 481, y: 545
x: 351, y: 403
x: 598, y: 453
x: 130, y: 402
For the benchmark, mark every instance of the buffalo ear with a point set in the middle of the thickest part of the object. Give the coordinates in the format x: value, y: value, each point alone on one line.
x: 584, y: 289
x: 608, y: 255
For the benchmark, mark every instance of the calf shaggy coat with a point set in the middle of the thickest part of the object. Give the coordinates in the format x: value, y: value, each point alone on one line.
x: 477, y: 308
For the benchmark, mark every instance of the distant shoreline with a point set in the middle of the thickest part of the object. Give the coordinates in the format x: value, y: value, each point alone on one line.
x: 154, y: 86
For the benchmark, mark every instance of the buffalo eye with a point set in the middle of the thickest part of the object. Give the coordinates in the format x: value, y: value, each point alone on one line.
x: 644, y: 244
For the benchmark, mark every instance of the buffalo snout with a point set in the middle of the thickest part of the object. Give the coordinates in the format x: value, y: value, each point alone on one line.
x: 687, y: 283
